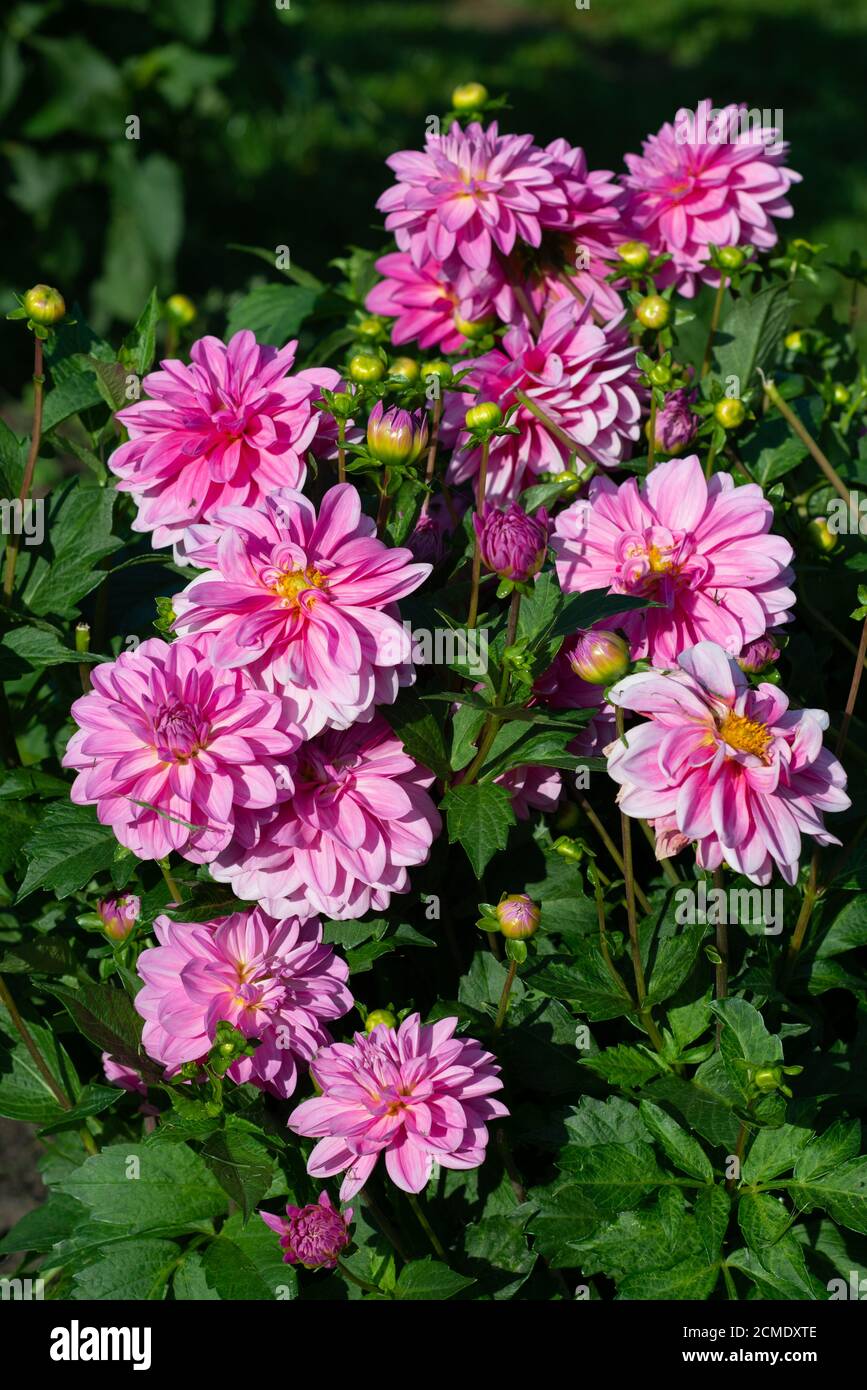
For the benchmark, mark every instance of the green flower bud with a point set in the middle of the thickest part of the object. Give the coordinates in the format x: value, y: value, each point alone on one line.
x: 731, y: 257
x: 634, y: 254
x: 371, y: 328
x: 485, y: 416
x: 653, y: 311
x: 405, y: 367
x: 518, y: 916
x: 767, y: 1078
x: 180, y: 310
x: 600, y: 658
x: 437, y: 368
x: 44, y: 305
x: 377, y: 1016
x: 365, y: 368
x: 343, y: 403
x: 659, y: 375
x: 469, y: 97
x: 474, y: 328
x: 841, y: 394
x: 730, y: 413
x: 820, y: 535
x: 794, y: 342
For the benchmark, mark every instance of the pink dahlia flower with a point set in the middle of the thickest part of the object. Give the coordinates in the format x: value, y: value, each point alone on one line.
x: 702, y: 550
x: 468, y: 195
x: 513, y: 544
x: 170, y: 749
x: 313, y: 1236
x: 359, y: 818
x: 706, y: 181
x: 119, y: 915
x: 725, y: 765
x: 532, y: 789
x: 224, y: 431
x: 272, y: 980
x: 305, y: 604
x: 426, y: 303
x: 117, y: 1074
x: 417, y: 1094
x: 582, y: 377
x: 676, y: 425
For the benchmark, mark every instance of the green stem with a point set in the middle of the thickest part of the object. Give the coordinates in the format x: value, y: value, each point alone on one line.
x: 341, y: 451
x: 714, y: 324
x: 473, y: 614
x: 492, y: 722
x: 504, y: 997
x: 729, y: 1282
x: 360, y: 1283
x: 553, y: 428
x: 651, y: 447
x: 603, y: 938
x: 722, y: 946
x: 613, y: 850
x: 430, y: 466
x: 665, y: 864
x: 426, y: 1226
x: 170, y: 882
x: 626, y: 837
x: 807, y: 440
x: 711, y: 459
x: 385, y: 1226
x: 27, y: 1039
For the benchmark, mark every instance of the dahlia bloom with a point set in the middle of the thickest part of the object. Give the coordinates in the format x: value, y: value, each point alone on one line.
x: 426, y: 303
x: 702, y: 181
x: 273, y: 980
x: 304, y: 604
x: 170, y: 748
x: 676, y: 425
x: 532, y: 789
x: 224, y: 431
x: 359, y: 817
x: 417, y: 1094
x: 312, y: 1236
x: 468, y: 195
x: 759, y: 654
x: 513, y: 544
x: 702, y: 550
x: 725, y: 765
x: 584, y: 378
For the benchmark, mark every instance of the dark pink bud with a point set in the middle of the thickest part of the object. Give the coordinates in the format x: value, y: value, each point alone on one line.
x: 599, y: 657
x: 119, y: 915
x: 518, y: 917
x: 512, y: 543
x: 758, y: 654
x: 676, y: 425
x: 312, y: 1236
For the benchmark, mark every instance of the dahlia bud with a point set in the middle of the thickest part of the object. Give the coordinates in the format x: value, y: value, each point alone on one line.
x: 731, y: 257
x: 518, y: 917
x: 437, y: 368
x: 513, y: 545
x: 485, y: 416
x: 634, y: 254
x: 377, y: 1016
x: 758, y: 654
x: 396, y: 436
x: 44, y: 305
x: 469, y: 97
x: 371, y: 328
x: 180, y: 310
x: 676, y: 426
x: 118, y: 915
x: 342, y: 403
x: 313, y: 1236
x: 404, y: 367
x: 841, y: 394
x: 600, y: 658
x: 474, y: 328
x: 366, y: 368
x: 653, y: 311
x: 730, y: 413
x: 794, y: 342
x: 820, y: 535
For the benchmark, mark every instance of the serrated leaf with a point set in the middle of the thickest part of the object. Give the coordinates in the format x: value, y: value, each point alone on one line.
x: 623, y: 1065
x: 66, y: 850
x: 479, y: 817
x: 429, y: 1279
x: 153, y: 1187
x: 684, y: 1151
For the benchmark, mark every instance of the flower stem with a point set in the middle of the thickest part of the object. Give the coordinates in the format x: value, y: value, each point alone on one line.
x: 504, y: 997
x: 426, y: 1226
x: 430, y: 466
x: 665, y: 864
x: 714, y: 324
x: 341, y: 451
x: 612, y: 850
x: 603, y: 938
x: 384, y: 1225
x: 384, y: 508
x: 13, y: 545
x: 170, y: 882
x: 492, y: 722
x: 27, y: 1039
x: 473, y: 614
x: 553, y: 428
x: 807, y: 439
x: 651, y: 447
x: 722, y: 946
x: 359, y: 1283
x: 626, y: 837
x: 711, y: 459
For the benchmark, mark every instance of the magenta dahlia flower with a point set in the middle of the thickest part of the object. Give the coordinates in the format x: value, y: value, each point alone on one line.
x: 224, y: 431
x: 702, y: 550
x: 118, y: 1074
x: 305, y: 603
x: 427, y: 304
x: 513, y: 544
x: 359, y: 818
x: 313, y: 1236
x: 170, y: 748
x: 468, y: 195
x: 727, y: 766
x: 707, y: 180
x: 417, y: 1094
x: 274, y: 981
x: 676, y: 424
x: 582, y: 377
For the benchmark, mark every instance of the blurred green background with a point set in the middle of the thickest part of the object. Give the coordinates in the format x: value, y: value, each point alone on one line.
x: 267, y: 121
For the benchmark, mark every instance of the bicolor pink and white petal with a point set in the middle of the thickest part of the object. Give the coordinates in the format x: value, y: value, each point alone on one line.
x: 416, y: 1095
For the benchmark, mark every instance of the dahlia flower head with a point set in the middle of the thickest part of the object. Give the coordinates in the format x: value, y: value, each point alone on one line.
x: 469, y: 195
x: 724, y: 765
x: 273, y: 980
x: 313, y: 1236
x: 701, y: 550
x: 584, y: 378
x: 703, y: 182
x: 170, y: 748
x: 512, y: 543
x: 304, y: 603
x: 416, y: 1094
x: 224, y: 431
x: 427, y: 302
x: 358, y: 818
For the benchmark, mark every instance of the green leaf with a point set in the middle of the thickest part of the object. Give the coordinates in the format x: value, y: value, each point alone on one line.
x: 749, y: 336
x: 842, y: 1193
x: 78, y: 531
x: 429, y: 1279
x: 825, y: 1152
x: 774, y: 1151
x: 420, y: 731
x: 132, y: 1270
x: 479, y: 817
x: 43, y: 1227
x: 584, y: 979
x: 40, y: 648
x: 712, y: 1211
x: 745, y: 1041
x: 763, y: 1219
x: 623, y: 1065
x: 241, y: 1165
x: 24, y: 1092
x: 94, y: 1098
x: 190, y: 1283
x: 613, y: 1177
x: 673, y: 961
x: 684, y: 1151
x: 105, y: 1014
x: 74, y: 394
x: 564, y: 1218
x: 779, y: 1271
x: 67, y: 849
x: 154, y: 1187
x: 139, y: 346
x: 273, y: 312
x: 848, y: 929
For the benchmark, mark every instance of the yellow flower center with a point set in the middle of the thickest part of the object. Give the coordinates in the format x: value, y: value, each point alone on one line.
x: 659, y: 563
x: 290, y: 585
x: 747, y: 735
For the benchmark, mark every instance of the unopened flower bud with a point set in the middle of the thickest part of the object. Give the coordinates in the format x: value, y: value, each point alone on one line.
x: 731, y: 257
x: 313, y: 1236
x: 377, y: 1016
x: 44, y: 305
x: 518, y: 917
x: 767, y: 1078
x: 634, y: 254
x: 600, y: 657
x: 676, y: 425
x: 485, y: 416
x: 469, y: 97
x: 794, y: 342
x: 119, y: 915
x: 820, y: 535
x: 437, y: 368
x: 513, y: 545
x: 841, y: 394
x: 395, y: 436
x: 371, y: 328
x: 758, y: 654
x: 730, y: 413
x: 474, y: 328
x: 653, y: 311
x: 180, y: 310
x: 404, y: 367
x: 366, y: 368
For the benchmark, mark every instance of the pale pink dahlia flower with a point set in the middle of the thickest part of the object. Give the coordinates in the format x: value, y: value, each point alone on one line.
x: 702, y: 550
x: 702, y: 181
x: 417, y: 1094
x: 725, y: 765
x: 532, y: 789
x: 305, y: 604
x: 313, y: 1236
x: 468, y: 195
x: 274, y: 981
x: 170, y: 749
x: 585, y: 380
x: 359, y: 818
x: 426, y: 303
x: 225, y: 430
